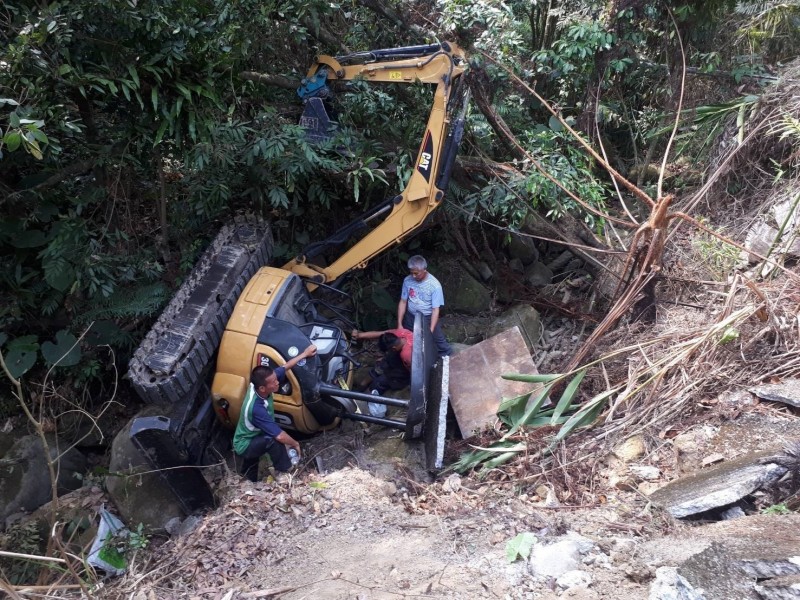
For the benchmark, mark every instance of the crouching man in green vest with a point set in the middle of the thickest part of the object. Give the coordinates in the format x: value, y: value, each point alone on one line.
x: 257, y: 433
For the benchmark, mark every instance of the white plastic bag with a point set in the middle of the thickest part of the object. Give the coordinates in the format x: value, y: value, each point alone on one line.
x: 105, y: 553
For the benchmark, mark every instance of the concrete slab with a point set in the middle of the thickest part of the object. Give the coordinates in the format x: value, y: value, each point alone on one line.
x: 719, y: 485
x: 752, y: 558
x: 476, y: 386
x: 787, y: 392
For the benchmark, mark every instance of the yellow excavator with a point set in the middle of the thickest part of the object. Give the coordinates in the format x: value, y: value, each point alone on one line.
x: 236, y: 310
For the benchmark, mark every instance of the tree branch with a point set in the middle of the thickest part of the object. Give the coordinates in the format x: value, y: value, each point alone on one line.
x: 276, y: 80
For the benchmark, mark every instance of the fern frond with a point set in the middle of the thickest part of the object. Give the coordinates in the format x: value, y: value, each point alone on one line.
x: 126, y: 303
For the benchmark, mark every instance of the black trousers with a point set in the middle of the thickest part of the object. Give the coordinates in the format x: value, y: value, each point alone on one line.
x: 390, y: 374
x: 259, y: 446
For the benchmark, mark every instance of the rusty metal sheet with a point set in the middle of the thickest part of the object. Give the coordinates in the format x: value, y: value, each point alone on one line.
x: 476, y: 386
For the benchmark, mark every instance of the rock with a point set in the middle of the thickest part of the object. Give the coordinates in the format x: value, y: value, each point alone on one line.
x: 178, y: 528
x: 780, y: 588
x: 648, y: 487
x: 25, y: 479
x: 785, y: 213
x: 734, y: 512
x: 452, y: 483
x: 713, y: 458
x: 573, y: 579
x: 560, y: 556
x: 462, y: 292
x: 173, y: 526
x: 760, y: 239
x: 140, y: 495
x: 525, y: 317
x: 476, y: 384
x: 464, y: 330
x: 542, y: 491
x: 580, y: 593
x: 714, y: 571
x: 669, y: 585
x: 516, y: 265
x: 718, y: 485
x: 585, y: 545
x: 485, y: 271
x: 538, y: 275
x: 728, y: 559
x: 630, y: 449
x: 645, y: 472
x: 523, y: 248
x: 622, y: 482
x: 553, y: 560
x: 560, y: 261
x: 189, y: 524
x: 551, y: 499
x: 691, y: 441
x: 766, y: 240
x: 787, y: 392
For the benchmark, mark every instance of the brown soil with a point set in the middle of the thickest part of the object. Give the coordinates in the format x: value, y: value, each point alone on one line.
x: 374, y: 526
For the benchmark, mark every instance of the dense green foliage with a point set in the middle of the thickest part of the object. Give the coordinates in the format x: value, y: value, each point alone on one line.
x: 127, y: 132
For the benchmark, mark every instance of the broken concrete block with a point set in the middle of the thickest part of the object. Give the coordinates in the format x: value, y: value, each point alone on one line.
x: 787, y: 392
x: 718, y: 485
x: 736, y: 559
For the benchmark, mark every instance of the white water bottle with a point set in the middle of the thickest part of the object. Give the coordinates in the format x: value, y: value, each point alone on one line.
x: 294, y: 457
x: 376, y: 409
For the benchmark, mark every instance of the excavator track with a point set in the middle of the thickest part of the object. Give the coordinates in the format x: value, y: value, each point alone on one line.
x: 172, y: 361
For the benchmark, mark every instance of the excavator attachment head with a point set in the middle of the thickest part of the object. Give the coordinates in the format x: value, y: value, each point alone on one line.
x: 316, y: 122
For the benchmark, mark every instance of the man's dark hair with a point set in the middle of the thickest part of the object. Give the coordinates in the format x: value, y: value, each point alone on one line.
x: 387, y: 341
x: 259, y: 376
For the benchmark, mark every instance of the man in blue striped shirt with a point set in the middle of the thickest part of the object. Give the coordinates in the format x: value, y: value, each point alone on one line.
x: 422, y: 293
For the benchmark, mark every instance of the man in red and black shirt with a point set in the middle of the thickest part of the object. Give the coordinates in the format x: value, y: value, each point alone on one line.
x: 393, y: 372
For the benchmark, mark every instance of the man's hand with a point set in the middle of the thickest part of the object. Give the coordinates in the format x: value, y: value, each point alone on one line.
x: 434, y: 318
x: 354, y: 334
x: 308, y: 352
x: 287, y: 440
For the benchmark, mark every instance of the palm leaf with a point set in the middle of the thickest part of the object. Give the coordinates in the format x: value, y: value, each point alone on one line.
x: 530, y: 411
x: 534, y: 378
x: 585, y: 416
x: 565, y: 402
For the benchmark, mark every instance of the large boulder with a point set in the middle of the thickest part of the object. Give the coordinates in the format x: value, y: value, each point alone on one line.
x: 462, y: 292
x: 139, y: 493
x: 523, y: 316
x: 538, y: 275
x: 25, y: 479
x: 523, y: 248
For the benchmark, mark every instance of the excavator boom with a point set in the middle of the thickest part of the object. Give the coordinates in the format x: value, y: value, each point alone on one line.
x: 394, y: 220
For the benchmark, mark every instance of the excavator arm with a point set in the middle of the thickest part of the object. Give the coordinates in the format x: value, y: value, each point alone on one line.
x: 395, y: 219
